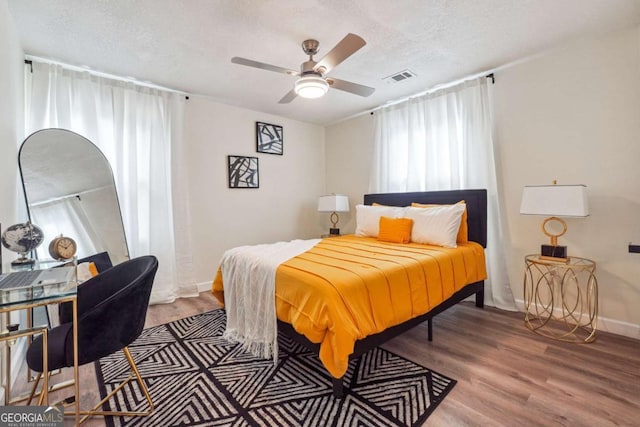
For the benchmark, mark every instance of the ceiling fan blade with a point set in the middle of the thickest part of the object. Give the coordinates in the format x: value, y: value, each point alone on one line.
x: 346, y: 47
x: 290, y: 96
x: 350, y: 87
x: 263, y: 66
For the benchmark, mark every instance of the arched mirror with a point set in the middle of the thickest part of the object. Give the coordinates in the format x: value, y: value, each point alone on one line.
x: 69, y: 189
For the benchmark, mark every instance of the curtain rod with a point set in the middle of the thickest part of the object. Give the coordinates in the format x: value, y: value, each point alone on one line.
x: 101, y: 74
x: 69, y: 196
x: 434, y: 89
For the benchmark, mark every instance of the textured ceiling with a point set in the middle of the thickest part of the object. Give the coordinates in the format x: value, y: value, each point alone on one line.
x: 188, y: 45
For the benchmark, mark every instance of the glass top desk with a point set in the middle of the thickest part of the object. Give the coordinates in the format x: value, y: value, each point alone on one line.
x: 26, y: 298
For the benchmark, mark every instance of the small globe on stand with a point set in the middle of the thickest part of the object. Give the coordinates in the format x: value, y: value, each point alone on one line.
x: 22, y: 238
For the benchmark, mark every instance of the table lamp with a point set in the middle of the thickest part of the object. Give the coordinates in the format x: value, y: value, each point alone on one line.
x: 333, y: 203
x: 554, y: 201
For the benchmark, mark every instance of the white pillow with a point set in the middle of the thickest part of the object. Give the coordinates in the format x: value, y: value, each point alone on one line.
x: 437, y: 225
x: 368, y: 218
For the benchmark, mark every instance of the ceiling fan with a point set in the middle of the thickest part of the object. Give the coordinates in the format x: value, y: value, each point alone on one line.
x: 312, y: 81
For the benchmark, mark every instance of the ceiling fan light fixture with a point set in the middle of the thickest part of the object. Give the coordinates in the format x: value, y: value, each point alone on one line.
x: 311, y: 87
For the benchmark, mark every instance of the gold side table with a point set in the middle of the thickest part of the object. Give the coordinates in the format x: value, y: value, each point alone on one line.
x: 566, y: 292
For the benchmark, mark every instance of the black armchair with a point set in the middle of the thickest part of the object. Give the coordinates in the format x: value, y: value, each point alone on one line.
x: 112, y: 308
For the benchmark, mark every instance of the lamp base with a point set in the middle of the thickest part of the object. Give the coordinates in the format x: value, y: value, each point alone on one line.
x: 23, y: 260
x: 553, y: 253
x: 334, y: 231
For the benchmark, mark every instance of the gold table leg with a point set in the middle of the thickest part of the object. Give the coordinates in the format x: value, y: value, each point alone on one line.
x: 76, y: 371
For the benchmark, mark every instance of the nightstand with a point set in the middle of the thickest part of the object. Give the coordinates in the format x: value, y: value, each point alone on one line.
x: 561, y: 298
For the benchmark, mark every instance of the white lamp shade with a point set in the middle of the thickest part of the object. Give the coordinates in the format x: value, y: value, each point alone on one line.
x: 555, y: 200
x: 311, y: 87
x: 333, y: 203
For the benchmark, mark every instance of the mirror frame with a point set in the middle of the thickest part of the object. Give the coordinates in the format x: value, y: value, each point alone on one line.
x: 108, y: 168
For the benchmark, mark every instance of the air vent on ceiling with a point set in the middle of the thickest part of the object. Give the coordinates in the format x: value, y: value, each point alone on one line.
x: 399, y: 77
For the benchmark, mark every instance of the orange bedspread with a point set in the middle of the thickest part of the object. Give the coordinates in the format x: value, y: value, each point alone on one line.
x: 346, y: 288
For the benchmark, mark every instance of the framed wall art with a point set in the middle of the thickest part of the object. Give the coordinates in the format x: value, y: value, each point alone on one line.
x: 269, y: 138
x: 243, y: 172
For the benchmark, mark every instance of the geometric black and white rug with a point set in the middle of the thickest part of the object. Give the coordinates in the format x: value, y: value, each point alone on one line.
x: 197, y: 378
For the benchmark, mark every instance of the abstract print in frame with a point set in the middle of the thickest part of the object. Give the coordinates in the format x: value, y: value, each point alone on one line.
x: 243, y: 172
x: 269, y: 138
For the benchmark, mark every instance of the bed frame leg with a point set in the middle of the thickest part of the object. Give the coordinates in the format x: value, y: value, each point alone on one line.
x: 480, y: 298
x: 430, y: 330
x: 338, y: 388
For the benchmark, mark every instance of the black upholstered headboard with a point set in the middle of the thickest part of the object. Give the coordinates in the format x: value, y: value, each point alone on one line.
x: 476, y: 201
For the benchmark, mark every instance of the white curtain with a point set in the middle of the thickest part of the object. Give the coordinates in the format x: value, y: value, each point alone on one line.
x: 443, y: 141
x: 139, y: 131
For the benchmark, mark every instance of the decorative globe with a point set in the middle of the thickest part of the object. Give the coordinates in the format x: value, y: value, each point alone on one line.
x: 22, y: 238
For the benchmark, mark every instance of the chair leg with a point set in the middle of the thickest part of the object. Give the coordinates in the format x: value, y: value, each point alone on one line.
x: 134, y: 368
x: 45, y: 383
x: 135, y: 374
x: 34, y: 388
x: 52, y: 388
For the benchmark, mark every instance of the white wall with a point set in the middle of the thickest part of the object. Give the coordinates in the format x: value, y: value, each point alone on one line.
x: 11, y: 133
x: 349, y: 156
x: 11, y: 116
x: 283, y: 208
x: 571, y: 115
x: 574, y: 115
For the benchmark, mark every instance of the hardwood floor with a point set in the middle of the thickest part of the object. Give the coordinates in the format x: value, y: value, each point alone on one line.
x: 507, y: 375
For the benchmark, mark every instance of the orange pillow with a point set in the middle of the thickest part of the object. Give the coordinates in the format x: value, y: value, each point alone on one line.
x: 395, y: 230
x: 463, y: 231
x: 85, y: 271
x: 93, y: 269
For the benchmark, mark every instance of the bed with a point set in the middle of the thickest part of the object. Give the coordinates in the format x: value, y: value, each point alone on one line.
x: 331, y: 323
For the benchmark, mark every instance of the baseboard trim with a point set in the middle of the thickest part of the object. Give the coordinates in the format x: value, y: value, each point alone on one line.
x: 204, y: 286
x: 607, y: 325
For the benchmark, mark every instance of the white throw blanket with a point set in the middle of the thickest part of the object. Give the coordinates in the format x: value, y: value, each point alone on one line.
x: 249, y: 276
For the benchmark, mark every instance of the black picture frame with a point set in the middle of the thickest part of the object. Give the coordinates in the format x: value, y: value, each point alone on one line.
x: 243, y: 171
x: 269, y: 138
